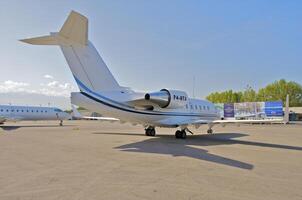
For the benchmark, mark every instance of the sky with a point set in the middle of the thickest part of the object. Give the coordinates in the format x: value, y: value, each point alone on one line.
x: 150, y: 45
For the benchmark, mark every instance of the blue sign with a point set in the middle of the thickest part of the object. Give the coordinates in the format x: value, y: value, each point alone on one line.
x: 229, y: 110
x: 273, y: 109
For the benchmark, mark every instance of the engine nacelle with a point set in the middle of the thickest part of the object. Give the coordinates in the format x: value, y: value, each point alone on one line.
x: 168, y: 98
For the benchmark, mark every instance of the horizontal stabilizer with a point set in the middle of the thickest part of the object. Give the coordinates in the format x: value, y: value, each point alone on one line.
x: 44, y: 40
x: 74, y: 31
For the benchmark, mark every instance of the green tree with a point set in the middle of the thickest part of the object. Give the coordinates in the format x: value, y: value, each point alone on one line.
x: 249, y: 95
x: 278, y: 91
x: 272, y: 92
x: 225, y: 97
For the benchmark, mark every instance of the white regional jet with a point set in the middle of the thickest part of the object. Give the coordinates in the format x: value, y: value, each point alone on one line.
x: 101, y: 93
x: 31, y: 113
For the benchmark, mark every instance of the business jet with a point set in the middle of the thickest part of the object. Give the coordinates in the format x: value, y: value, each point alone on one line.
x: 31, y: 113
x: 101, y: 93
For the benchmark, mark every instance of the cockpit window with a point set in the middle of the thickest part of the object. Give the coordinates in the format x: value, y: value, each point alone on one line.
x: 58, y: 110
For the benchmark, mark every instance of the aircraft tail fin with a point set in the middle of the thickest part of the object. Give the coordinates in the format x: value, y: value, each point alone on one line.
x: 87, y: 66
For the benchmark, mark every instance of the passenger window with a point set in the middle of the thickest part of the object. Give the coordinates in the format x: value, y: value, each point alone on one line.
x: 191, y: 107
x: 195, y: 107
x: 186, y: 106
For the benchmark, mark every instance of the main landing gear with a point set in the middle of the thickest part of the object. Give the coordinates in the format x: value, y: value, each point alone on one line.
x: 150, y: 131
x: 210, y: 131
x: 180, y: 134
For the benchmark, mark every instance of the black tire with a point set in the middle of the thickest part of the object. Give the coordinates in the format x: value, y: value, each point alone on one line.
x: 183, y: 134
x: 152, y: 132
x: 177, y: 134
x: 210, y: 131
x: 147, y: 132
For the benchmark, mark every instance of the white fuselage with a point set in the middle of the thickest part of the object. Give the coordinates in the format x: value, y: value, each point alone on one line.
x: 16, y: 113
x: 114, y: 104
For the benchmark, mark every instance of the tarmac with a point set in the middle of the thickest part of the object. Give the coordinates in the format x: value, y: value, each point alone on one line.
x: 103, y: 160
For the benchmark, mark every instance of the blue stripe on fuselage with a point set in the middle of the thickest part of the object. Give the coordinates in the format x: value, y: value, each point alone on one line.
x: 126, y: 107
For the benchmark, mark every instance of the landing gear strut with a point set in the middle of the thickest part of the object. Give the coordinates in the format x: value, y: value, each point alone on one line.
x: 61, y: 122
x: 180, y: 134
x: 150, y: 131
x: 210, y: 130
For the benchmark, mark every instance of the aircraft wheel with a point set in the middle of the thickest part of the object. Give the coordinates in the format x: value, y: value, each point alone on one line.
x: 177, y: 134
x: 210, y: 131
x: 180, y: 134
x: 183, y: 134
x: 150, y: 132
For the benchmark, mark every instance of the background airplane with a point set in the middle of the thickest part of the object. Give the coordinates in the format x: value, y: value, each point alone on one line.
x: 101, y: 93
x: 31, y: 113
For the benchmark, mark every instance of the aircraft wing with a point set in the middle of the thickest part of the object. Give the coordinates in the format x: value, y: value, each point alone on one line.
x: 100, y: 118
x: 2, y: 120
x: 76, y: 114
x: 172, y: 122
x: 247, y: 121
x: 200, y: 122
x: 12, y: 119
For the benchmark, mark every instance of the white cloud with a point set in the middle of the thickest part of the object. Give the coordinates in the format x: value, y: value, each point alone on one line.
x: 47, y: 76
x: 12, y: 86
x: 53, y: 84
x: 53, y: 88
x: 65, y: 86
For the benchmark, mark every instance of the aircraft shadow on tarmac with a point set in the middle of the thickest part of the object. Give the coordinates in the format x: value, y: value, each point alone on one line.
x: 166, y: 144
